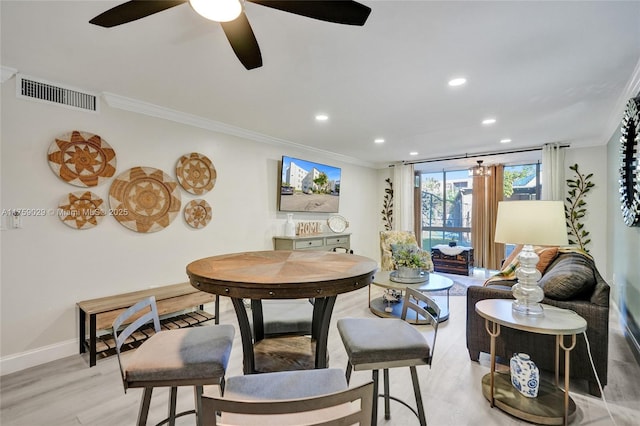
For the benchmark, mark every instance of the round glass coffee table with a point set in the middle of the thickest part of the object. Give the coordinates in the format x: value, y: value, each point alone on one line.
x: 386, y: 308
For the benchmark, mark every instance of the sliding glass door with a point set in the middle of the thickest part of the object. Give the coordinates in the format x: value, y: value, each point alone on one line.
x: 445, y: 208
x: 446, y: 197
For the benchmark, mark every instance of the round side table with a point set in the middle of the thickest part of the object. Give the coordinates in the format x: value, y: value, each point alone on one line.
x: 436, y: 282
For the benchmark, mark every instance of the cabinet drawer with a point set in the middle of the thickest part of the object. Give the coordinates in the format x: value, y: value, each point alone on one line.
x: 308, y: 244
x: 337, y: 241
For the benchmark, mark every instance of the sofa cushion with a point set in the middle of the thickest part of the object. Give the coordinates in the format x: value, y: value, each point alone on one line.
x: 568, y: 278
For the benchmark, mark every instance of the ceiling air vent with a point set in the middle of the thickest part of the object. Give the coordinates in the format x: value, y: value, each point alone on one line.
x: 45, y: 91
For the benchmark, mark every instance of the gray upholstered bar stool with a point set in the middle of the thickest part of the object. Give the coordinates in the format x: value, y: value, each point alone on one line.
x: 195, y: 356
x: 384, y: 343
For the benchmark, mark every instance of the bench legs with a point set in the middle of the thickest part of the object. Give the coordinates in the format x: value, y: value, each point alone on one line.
x: 92, y: 336
x: 82, y: 330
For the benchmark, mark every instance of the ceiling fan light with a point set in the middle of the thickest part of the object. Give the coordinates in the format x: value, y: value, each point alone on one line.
x: 217, y: 10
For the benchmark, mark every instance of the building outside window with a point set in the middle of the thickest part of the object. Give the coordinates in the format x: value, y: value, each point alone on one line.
x: 446, y: 207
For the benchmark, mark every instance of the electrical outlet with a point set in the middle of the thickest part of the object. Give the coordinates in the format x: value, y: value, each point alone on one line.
x: 16, y: 220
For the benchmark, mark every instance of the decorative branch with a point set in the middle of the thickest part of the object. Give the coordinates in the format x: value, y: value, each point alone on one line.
x: 387, y: 206
x: 575, y: 208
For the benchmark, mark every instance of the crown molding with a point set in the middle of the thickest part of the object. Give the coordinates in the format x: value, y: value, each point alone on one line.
x: 631, y: 90
x: 157, y: 111
x: 6, y: 73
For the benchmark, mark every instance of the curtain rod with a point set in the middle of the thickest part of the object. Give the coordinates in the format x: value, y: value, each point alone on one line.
x: 487, y: 154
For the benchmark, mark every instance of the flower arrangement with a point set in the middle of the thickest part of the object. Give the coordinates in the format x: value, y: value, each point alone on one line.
x: 410, y: 257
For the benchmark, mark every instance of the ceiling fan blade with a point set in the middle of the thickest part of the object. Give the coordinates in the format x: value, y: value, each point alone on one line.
x: 243, y: 41
x: 133, y: 10
x: 338, y: 11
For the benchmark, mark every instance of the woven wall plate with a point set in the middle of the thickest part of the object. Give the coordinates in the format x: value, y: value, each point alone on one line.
x: 196, y: 173
x: 81, y: 210
x: 197, y: 213
x: 82, y: 159
x: 144, y: 199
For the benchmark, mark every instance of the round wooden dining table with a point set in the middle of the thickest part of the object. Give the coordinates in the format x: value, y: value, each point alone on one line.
x: 282, y: 274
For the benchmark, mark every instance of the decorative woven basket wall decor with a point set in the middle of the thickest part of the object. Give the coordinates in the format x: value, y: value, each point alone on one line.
x: 144, y: 199
x: 196, y: 173
x: 82, y: 159
x: 197, y: 213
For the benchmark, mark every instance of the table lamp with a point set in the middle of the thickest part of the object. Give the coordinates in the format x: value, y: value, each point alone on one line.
x: 530, y: 223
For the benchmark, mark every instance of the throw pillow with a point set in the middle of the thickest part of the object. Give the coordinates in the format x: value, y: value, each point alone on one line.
x: 569, y: 277
x: 513, y: 256
x: 547, y: 255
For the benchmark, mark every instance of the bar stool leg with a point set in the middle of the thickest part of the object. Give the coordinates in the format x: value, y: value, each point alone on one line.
x: 173, y: 397
x: 374, y: 408
x: 416, y: 390
x: 144, y: 406
x: 387, y: 409
x: 197, y: 393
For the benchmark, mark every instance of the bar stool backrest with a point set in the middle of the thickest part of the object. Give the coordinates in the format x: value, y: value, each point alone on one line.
x: 297, y: 410
x: 428, y: 310
x: 135, y: 318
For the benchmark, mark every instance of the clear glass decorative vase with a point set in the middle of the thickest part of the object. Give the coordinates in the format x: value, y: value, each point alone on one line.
x: 289, y: 226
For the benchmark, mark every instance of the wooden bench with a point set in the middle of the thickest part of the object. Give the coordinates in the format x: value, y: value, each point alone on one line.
x: 171, y: 301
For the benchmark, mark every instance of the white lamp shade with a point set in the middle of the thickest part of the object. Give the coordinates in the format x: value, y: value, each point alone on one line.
x: 217, y: 10
x: 531, y: 222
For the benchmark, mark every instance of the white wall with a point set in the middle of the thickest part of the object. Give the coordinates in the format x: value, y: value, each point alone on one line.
x: 47, y: 266
x: 622, y: 251
x: 593, y: 160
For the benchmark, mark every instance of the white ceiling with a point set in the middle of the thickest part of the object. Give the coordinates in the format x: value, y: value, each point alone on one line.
x: 547, y: 71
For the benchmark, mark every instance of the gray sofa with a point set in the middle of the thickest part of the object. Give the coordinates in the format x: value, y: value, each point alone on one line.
x: 571, y: 281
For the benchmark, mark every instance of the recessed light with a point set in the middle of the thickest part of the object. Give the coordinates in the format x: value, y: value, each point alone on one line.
x: 379, y: 140
x: 457, y: 81
x: 413, y: 153
x: 505, y: 140
x: 322, y: 117
x: 488, y: 121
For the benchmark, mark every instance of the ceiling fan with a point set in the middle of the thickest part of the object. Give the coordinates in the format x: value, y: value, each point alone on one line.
x: 234, y: 21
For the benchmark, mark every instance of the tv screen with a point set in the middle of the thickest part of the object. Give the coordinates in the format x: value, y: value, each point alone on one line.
x: 306, y: 186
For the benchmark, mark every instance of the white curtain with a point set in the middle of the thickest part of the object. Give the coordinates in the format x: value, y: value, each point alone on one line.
x: 403, y: 197
x: 552, y: 172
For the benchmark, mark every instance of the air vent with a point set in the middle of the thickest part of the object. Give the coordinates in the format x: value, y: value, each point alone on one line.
x: 32, y: 88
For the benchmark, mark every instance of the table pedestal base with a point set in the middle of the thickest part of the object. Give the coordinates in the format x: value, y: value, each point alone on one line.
x: 546, y: 409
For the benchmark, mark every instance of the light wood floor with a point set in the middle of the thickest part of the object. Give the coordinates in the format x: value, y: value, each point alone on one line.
x: 68, y: 392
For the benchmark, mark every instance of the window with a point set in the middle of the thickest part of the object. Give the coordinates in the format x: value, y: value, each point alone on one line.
x: 522, y: 182
x: 446, y: 198
x: 445, y: 208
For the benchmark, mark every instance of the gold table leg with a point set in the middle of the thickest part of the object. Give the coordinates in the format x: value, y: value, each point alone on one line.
x: 494, y: 332
x: 567, y: 373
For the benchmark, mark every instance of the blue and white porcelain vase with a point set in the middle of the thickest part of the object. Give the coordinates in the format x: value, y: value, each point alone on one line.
x: 524, y: 375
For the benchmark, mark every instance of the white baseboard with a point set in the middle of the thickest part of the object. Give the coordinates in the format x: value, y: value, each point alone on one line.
x: 23, y: 360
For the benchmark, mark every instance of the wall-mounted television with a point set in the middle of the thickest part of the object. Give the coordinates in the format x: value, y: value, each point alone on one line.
x: 306, y: 186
